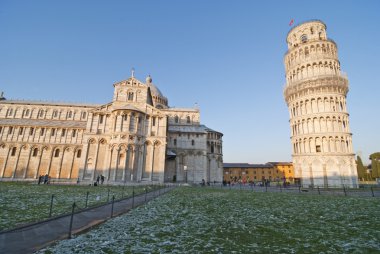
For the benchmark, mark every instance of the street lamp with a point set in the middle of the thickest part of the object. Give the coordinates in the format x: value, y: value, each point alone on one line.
x: 185, y: 169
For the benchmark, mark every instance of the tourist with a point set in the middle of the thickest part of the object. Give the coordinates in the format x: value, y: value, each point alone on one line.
x: 102, y: 178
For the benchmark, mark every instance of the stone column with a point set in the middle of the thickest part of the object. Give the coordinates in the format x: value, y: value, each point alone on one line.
x: 95, y: 161
x: 16, y: 164
x: 5, y: 162
x: 27, y: 163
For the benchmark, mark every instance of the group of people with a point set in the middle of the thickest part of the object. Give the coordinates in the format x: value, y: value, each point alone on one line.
x: 44, y: 179
x: 99, y: 179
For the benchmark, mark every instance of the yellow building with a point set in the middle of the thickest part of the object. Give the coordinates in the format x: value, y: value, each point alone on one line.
x: 246, y: 173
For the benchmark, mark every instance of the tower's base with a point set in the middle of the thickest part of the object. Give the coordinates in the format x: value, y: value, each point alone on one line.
x: 328, y: 171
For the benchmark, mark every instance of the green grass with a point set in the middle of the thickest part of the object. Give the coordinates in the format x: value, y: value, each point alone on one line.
x: 203, y: 220
x: 22, y: 203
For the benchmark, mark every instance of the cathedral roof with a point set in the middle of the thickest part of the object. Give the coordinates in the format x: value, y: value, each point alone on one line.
x: 43, y: 123
x: 49, y: 103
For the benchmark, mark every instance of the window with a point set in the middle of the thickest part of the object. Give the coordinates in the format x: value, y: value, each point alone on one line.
x: 83, y: 115
x: 63, y: 133
x: 74, y: 133
x: 290, y: 171
x: 27, y: 112
x: 130, y: 96
x: 175, y: 142
x: 55, y: 113
x: 53, y: 132
x: 41, y: 113
x: 318, y: 149
x: 176, y: 120
x: 304, y: 38
x: 188, y: 119
x: 56, y: 153
x: 192, y: 142
x: 101, y: 119
x: 79, y: 153
x: 20, y: 131
x: 125, y: 117
x: 1, y: 129
x: 10, y: 111
x: 35, y: 152
x: 13, y: 153
x: 10, y: 130
x: 69, y: 114
x: 42, y: 131
x: 153, y: 121
x: 31, y: 131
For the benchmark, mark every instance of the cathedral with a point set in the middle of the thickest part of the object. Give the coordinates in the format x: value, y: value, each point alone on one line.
x: 134, y: 138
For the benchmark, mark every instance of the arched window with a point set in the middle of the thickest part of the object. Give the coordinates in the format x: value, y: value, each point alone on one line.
x: 35, y: 152
x: 53, y: 132
x: 192, y: 142
x: 101, y: 119
x: 56, y: 153
x: 10, y: 111
x: 41, y: 113
x: 175, y: 141
x: 188, y: 119
x: 31, y: 131
x: 27, y: 112
x: 130, y: 96
x: 153, y: 121
x: 55, y: 113
x: 13, y: 153
x: 83, y: 115
x: 74, y: 133
x: 63, y: 133
x: 79, y: 153
x: 176, y: 119
x: 69, y: 114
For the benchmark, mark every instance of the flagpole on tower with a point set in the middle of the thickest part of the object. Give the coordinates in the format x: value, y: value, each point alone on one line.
x: 291, y: 22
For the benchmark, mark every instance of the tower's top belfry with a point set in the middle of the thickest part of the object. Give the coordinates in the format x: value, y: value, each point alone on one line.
x: 313, y: 30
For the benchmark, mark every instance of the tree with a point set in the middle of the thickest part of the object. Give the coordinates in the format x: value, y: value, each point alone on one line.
x: 362, y: 171
x: 375, y: 164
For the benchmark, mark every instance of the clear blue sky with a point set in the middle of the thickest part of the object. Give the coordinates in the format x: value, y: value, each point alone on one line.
x: 225, y: 55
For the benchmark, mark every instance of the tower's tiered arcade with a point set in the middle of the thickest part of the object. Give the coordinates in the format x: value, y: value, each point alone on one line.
x: 315, y: 93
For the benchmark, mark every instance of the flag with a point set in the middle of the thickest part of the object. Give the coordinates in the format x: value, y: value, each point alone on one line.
x: 291, y: 22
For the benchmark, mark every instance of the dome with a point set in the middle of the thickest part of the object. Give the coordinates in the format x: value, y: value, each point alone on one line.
x: 158, y: 97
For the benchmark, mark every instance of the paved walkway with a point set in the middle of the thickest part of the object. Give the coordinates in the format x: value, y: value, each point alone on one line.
x: 37, y: 236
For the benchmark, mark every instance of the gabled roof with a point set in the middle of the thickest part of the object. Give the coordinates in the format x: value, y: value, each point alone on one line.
x: 246, y: 165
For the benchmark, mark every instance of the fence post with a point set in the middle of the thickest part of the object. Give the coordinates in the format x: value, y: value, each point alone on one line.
x: 71, y: 220
x: 373, y: 194
x: 146, y: 191
x: 133, y: 197
x: 159, y: 189
x: 51, y: 205
x: 87, y: 198
x: 344, y: 189
x: 318, y: 190
x: 113, y: 201
x: 299, y: 189
x: 108, y: 195
x: 122, y: 192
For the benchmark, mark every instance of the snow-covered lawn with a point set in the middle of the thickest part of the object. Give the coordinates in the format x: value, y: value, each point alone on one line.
x: 22, y: 203
x: 203, y: 220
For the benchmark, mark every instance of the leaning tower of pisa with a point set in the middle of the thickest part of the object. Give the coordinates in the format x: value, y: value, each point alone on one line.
x: 315, y: 92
